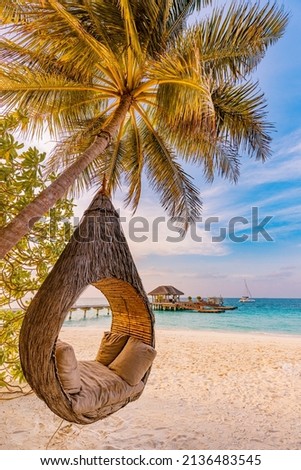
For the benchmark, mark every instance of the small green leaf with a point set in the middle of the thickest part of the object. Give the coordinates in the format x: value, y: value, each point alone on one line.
x: 25, y: 268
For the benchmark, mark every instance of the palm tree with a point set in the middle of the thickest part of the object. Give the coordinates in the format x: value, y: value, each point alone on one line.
x: 126, y: 88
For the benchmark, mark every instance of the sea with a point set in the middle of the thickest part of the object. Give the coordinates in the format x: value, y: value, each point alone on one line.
x: 266, y: 316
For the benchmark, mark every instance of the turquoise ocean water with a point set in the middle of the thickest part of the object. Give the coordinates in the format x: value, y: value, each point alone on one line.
x: 281, y: 316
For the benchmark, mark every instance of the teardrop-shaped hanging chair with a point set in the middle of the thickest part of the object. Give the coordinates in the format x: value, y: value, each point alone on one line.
x: 97, y: 254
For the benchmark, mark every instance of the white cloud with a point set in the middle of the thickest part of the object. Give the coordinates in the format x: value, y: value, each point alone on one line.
x: 160, y: 240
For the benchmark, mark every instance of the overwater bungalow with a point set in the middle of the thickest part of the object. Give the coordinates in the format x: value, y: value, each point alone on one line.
x: 166, y: 298
x: 169, y: 298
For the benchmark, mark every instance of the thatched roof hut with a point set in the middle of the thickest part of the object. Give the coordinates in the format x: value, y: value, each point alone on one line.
x: 165, y: 294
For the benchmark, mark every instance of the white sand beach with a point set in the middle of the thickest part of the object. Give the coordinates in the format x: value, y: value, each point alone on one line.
x: 207, y: 390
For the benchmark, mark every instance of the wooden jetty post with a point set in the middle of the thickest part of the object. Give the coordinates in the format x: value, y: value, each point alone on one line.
x: 86, y: 308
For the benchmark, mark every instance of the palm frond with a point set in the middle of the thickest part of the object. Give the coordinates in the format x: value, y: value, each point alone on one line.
x: 178, y: 14
x: 110, y: 164
x: 130, y: 26
x: 71, y: 146
x: 150, y: 24
x: 233, y: 40
x: 216, y: 157
x: 241, y: 118
x: 185, y: 107
x: 42, y: 96
x: 216, y: 141
x: 69, y: 149
x: 198, y: 143
x: 44, y: 61
x: 178, y: 196
x: 105, y: 22
x: 14, y: 11
x: 134, y: 162
x: 59, y: 28
x: 100, y: 50
x: 183, y: 101
x: 114, y: 162
x: 86, y: 181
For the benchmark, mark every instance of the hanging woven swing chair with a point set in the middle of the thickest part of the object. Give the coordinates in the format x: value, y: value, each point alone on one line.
x: 97, y: 254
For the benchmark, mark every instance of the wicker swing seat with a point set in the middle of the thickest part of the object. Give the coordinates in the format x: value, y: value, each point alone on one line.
x: 97, y: 254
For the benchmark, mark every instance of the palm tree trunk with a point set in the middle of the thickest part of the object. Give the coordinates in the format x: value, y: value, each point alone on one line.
x: 23, y: 222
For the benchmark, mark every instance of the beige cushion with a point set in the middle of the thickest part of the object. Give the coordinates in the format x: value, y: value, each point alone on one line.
x: 67, y: 367
x: 101, y: 388
x: 110, y: 346
x: 133, y: 361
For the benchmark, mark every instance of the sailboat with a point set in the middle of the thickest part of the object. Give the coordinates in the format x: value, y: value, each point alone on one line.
x: 248, y: 297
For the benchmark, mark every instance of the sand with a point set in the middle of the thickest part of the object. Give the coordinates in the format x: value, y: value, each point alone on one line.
x: 207, y: 390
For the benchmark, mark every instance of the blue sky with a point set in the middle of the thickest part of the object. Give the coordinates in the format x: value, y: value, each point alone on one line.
x: 271, y: 264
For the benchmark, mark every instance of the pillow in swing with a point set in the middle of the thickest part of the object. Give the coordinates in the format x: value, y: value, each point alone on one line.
x: 110, y: 346
x: 134, y: 361
x: 67, y: 367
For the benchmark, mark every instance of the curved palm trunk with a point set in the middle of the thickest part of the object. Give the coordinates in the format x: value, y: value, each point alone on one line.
x: 23, y: 222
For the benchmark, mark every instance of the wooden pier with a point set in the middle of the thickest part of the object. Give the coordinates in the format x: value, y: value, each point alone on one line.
x: 167, y: 306
x: 202, y: 307
x: 180, y: 306
x: 86, y: 308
